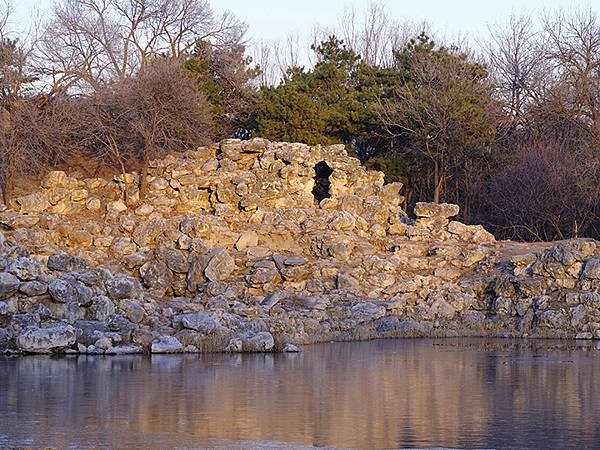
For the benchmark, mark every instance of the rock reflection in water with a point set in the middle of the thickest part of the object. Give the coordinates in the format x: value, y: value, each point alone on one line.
x: 424, y: 393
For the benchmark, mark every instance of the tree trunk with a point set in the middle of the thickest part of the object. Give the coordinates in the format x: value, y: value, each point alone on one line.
x: 144, y: 178
x: 437, y: 179
x: 7, y: 186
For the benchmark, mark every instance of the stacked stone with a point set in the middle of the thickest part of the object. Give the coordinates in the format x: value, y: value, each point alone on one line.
x: 255, y: 246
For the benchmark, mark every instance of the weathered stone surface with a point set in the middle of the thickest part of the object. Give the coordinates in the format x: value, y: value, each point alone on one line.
x: 45, y: 340
x: 200, y: 322
x: 33, y: 203
x: 430, y: 210
x: 8, y: 284
x: 67, y: 263
x: 235, y: 253
x: 166, y: 344
x: 25, y: 269
x: 220, y: 266
x: 102, y: 308
x: 259, y: 342
x: 63, y: 290
x: 591, y: 269
x: 123, y: 287
x: 132, y: 310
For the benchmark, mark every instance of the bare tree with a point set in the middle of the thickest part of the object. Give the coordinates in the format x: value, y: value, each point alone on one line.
x: 517, y: 65
x: 547, y: 190
x: 88, y: 43
x: 137, y: 119
x: 572, y: 88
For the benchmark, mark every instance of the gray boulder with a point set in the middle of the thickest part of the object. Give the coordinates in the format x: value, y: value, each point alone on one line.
x: 33, y: 288
x: 122, y: 286
x: 166, y: 344
x: 220, y: 266
x: 25, y: 269
x: 591, y: 270
x: 259, y: 342
x: 66, y: 263
x: 132, y: 310
x: 200, y: 322
x: 102, y: 308
x: 8, y: 284
x: 63, y: 291
x: 45, y: 340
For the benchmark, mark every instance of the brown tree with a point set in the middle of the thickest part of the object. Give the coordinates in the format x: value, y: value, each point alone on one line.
x: 89, y: 43
x: 137, y: 119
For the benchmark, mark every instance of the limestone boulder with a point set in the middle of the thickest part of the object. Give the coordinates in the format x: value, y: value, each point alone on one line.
x: 220, y: 266
x: 45, y: 340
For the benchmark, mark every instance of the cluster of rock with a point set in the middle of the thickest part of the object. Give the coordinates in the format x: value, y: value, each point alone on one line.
x: 260, y: 246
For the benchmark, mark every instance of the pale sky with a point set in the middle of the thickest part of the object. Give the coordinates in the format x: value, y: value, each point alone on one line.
x: 275, y: 19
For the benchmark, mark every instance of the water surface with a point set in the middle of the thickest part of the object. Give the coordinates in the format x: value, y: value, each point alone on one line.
x: 387, y: 394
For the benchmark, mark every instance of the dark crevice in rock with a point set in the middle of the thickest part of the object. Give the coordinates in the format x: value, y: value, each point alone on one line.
x: 322, y: 182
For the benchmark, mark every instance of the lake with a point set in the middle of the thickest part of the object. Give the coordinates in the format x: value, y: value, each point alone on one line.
x: 457, y: 393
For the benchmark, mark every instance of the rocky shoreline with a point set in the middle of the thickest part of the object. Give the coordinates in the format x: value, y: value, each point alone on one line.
x: 254, y: 246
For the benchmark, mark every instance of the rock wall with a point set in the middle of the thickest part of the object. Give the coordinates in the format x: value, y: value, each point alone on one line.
x: 260, y: 246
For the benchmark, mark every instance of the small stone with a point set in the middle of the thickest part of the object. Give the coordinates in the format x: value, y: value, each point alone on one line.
x: 93, y: 204
x: 290, y: 348
x: 103, y: 343
x: 116, y: 207
x: 234, y: 346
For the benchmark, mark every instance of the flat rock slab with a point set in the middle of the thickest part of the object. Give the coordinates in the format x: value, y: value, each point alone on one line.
x: 44, y: 340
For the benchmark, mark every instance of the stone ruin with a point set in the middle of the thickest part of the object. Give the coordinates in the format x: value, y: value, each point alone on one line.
x: 261, y: 246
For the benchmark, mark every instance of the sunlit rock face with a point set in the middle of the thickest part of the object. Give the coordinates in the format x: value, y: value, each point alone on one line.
x: 274, y: 244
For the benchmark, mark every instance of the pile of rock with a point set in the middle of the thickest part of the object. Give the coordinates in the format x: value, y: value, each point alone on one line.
x: 260, y: 246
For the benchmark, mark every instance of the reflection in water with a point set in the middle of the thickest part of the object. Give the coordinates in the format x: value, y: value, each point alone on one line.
x: 394, y: 393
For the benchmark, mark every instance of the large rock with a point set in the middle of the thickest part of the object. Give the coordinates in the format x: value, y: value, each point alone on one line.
x: 66, y: 263
x: 200, y: 322
x: 102, y: 308
x: 132, y: 310
x: 166, y: 344
x: 33, y: 203
x: 259, y: 342
x: 220, y: 266
x: 25, y: 269
x: 8, y: 284
x: 591, y: 270
x: 155, y: 275
x: 45, y: 340
x: 63, y: 291
x: 148, y: 230
x: 121, y: 287
x: 436, y: 210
